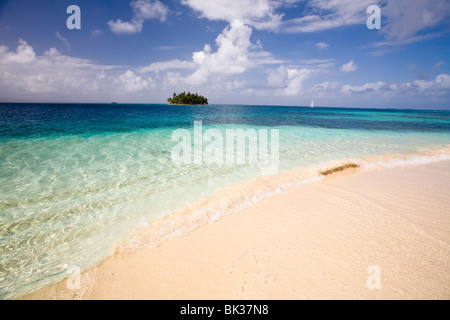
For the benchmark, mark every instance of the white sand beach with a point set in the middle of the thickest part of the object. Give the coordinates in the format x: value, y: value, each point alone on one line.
x: 314, y: 242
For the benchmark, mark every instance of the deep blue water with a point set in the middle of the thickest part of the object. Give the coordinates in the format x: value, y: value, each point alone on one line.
x: 41, y: 120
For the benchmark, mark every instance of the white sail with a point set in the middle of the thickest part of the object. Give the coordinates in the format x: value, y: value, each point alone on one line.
x: 312, y: 104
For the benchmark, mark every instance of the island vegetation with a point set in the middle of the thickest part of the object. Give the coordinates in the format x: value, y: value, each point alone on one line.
x: 188, y: 99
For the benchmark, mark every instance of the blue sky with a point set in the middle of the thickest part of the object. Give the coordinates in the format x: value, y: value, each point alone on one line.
x: 276, y: 52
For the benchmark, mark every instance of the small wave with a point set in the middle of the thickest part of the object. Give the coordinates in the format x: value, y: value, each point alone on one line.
x: 239, y: 197
x: 397, y: 160
x: 229, y: 201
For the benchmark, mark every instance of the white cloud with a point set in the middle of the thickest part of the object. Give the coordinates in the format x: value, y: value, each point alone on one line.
x: 289, y: 81
x: 147, y: 9
x: 440, y: 85
x: 142, y: 10
x: 349, y: 67
x: 123, y: 27
x: 233, y: 54
x: 405, y: 19
x: 437, y: 87
x: 168, y: 65
x: 53, y: 76
x: 132, y: 82
x: 327, y: 86
x: 295, y: 79
x: 233, y: 85
x: 40, y: 83
x: 23, y: 55
x: 259, y: 14
x: 322, y: 45
x: 443, y: 81
x: 264, y: 58
x: 329, y: 14
x: 230, y: 58
x: 27, y: 75
x: 368, y: 87
x: 173, y: 80
x: 287, y: 84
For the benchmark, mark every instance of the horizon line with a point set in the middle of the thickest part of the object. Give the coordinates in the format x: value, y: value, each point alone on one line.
x: 225, y: 104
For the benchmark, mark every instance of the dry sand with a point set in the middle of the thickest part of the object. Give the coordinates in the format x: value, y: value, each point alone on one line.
x: 313, y: 242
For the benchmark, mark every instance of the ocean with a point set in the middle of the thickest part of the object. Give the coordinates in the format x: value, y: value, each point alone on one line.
x: 80, y: 181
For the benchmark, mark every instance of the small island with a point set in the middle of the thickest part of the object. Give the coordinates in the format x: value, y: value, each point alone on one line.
x: 187, y: 99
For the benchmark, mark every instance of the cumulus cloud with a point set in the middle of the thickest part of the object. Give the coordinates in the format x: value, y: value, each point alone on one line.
x: 123, y: 27
x: 349, y: 67
x: 147, y: 9
x: 289, y: 81
x: 233, y: 53
x: 23, y: 55
x: 25, y: 74
x: 231, y: 57
x: 132, y: 82
x: 142, y: 10
x: 440, y: 85
x: 220, y: 64
x: 259, y: 14
x: 23, y: 71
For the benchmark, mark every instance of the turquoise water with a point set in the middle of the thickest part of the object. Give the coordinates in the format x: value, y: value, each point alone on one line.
x: 76, y: 180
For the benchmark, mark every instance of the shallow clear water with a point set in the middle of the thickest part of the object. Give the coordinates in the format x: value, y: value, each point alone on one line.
x: 76, y: 179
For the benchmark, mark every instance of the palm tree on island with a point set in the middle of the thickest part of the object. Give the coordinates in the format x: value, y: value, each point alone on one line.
x: 187, y: 99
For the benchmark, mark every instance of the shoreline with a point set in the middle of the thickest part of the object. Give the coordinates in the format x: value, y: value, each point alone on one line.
x: 314, y: 241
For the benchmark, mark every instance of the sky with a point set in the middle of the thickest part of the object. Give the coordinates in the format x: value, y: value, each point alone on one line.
x: 255, y: 52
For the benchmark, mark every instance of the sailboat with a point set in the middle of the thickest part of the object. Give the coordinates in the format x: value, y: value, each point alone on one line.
x: 312, y: 105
